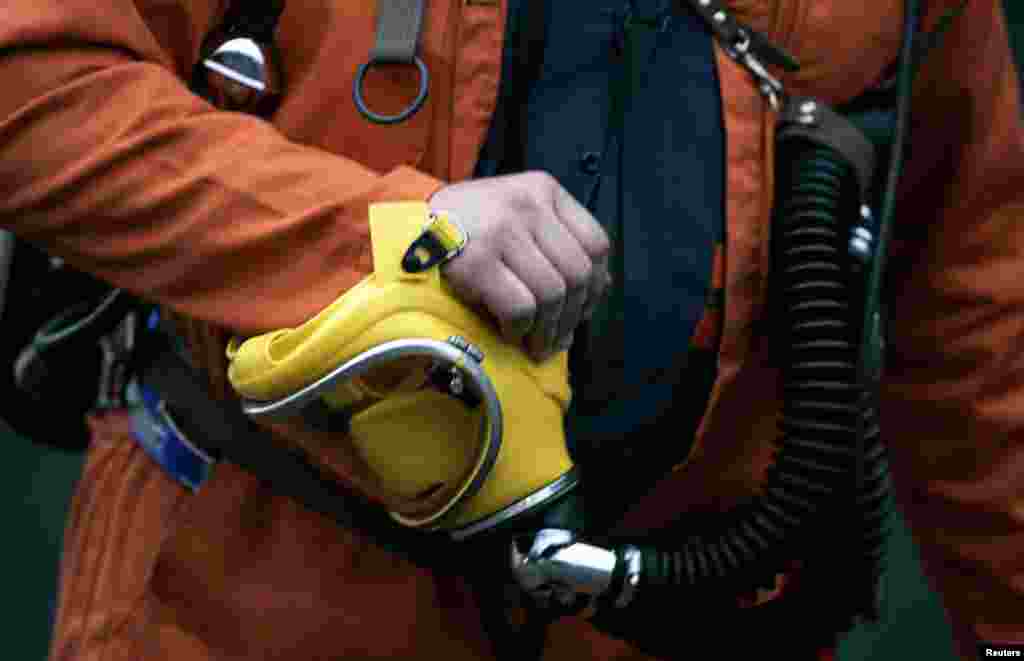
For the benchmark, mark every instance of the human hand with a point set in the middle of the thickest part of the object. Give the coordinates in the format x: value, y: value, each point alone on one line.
x: 537, y: 260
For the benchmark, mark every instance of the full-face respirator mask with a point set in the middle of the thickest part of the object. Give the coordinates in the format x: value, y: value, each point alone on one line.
x: 461, y: 431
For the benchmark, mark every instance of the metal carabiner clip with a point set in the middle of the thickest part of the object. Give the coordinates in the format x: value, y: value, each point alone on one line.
x: 769, y: 86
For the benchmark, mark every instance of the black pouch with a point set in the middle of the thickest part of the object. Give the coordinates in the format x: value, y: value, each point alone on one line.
x: 47, y: 399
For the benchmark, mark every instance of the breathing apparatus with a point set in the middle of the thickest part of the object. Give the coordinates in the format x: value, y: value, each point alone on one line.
x: 469, y: 442
x: 464, y: 440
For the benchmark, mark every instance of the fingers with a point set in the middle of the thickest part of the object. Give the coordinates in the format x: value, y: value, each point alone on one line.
x: 548, y: 287
x: 501, y: 291
x: 565, y: 253
x: 581, y: 224
x: 537, y: 261
x: 597, y: 287
x: 592, y: 238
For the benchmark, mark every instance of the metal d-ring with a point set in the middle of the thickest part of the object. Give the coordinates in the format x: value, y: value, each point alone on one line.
x: 357, y: 92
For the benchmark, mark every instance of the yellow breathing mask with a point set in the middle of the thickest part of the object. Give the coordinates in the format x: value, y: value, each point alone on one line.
x: 465, y: 429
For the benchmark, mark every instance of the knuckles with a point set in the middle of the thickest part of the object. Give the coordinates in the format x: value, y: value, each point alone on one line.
x: 541, y: 181
x: 536, y: 193
x: 514, y: 238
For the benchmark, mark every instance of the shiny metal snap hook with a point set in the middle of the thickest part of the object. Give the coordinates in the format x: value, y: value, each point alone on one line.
x: 377, y: 118
x: 243, y: 75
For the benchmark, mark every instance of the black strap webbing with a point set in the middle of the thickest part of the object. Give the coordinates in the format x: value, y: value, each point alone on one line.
x: 398, y: 30
x: 220, y: 428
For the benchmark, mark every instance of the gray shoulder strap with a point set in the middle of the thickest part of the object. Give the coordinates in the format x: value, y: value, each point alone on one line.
x: 398, y: 30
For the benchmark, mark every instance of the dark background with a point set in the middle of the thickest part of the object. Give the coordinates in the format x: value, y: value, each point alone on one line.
x: 37, y: 485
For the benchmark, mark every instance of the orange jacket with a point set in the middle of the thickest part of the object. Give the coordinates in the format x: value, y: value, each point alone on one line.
x: 109, y: 161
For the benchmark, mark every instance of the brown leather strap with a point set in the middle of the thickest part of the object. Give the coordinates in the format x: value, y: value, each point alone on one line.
x: 398, y: 30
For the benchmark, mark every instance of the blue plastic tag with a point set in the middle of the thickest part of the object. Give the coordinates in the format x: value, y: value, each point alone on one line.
x: 156, y: 432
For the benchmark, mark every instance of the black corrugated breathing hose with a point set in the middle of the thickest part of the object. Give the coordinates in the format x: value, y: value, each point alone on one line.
x: 823, y: 398
x: 830, y: 468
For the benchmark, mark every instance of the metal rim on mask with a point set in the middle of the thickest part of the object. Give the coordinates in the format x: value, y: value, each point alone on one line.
x: 563, y: 485
x: 479, y: 382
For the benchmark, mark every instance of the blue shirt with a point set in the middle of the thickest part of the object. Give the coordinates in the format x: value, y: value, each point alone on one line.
x: 655, y: 180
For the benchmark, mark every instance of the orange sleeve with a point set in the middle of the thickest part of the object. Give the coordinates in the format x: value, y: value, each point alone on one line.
x: 953, y: 401
x: 108, y: 160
